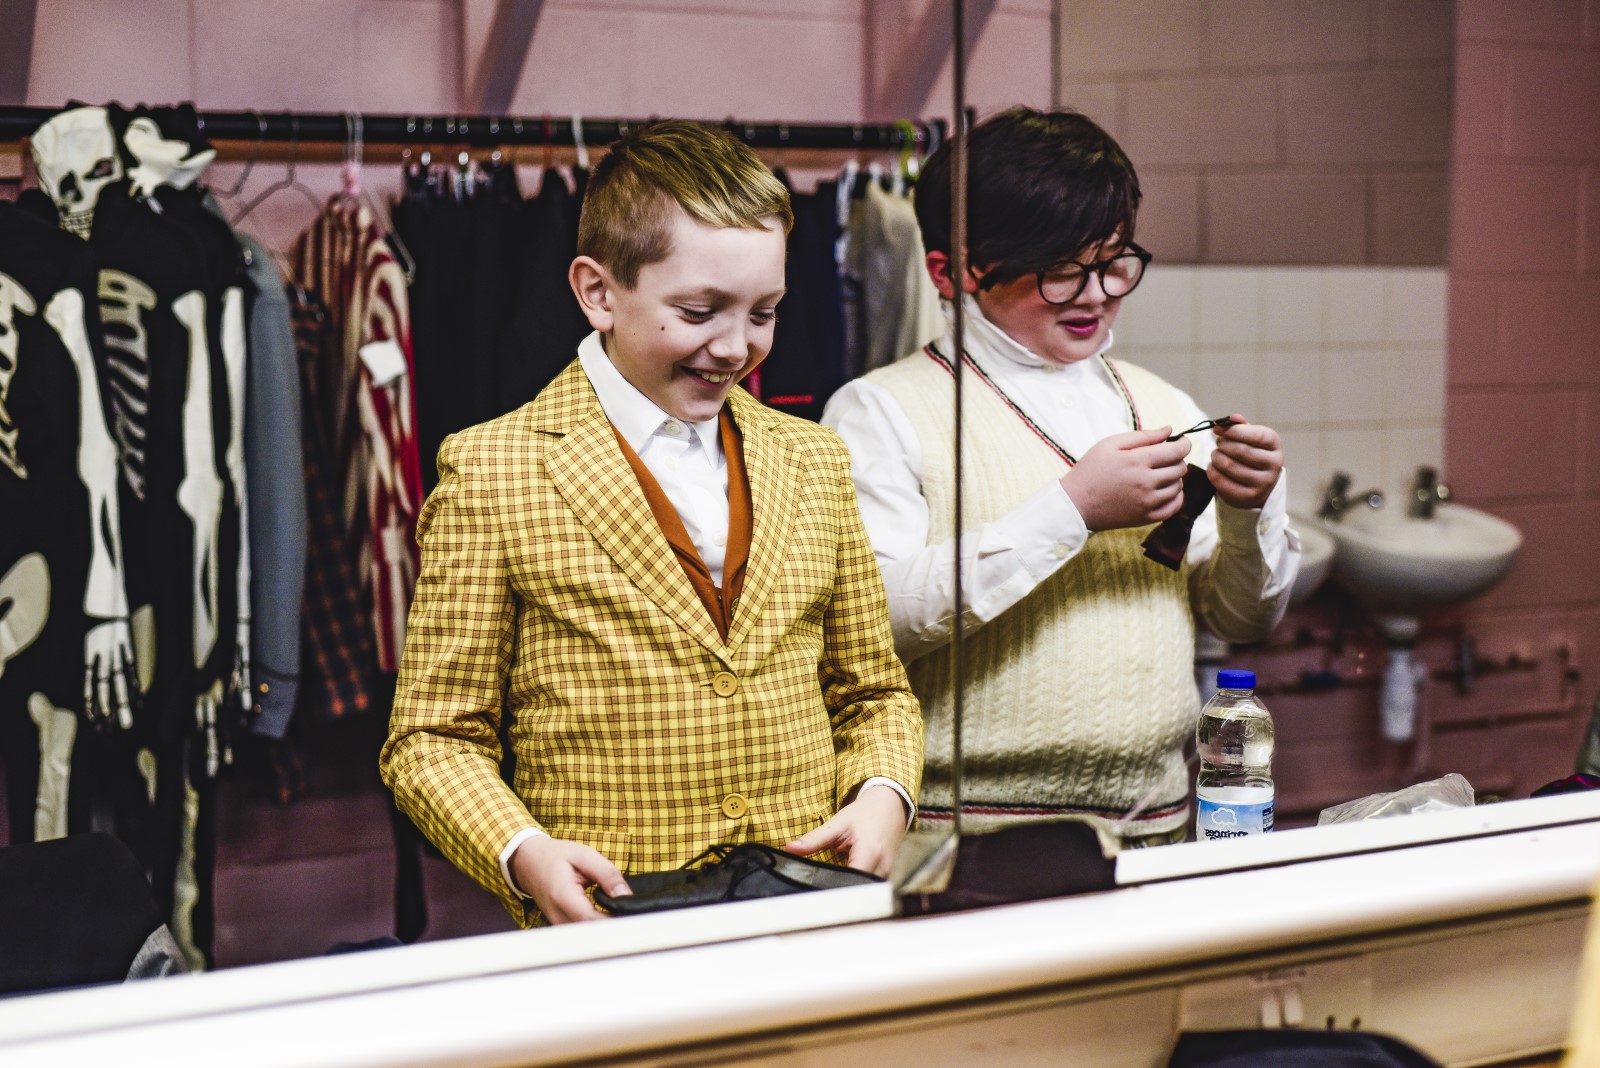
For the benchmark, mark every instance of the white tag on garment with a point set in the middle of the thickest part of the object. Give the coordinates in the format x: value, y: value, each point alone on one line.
x: 385, y: 361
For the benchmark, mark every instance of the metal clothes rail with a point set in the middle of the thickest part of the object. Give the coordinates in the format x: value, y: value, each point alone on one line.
x: 487, y: 131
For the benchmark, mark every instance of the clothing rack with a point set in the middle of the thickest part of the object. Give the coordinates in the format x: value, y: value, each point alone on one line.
x: 487, y: 131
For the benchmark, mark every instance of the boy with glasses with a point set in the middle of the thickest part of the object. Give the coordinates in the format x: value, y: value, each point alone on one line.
x: 1079, y: 691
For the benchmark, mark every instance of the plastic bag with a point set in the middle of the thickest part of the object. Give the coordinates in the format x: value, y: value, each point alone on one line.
x: 1438, y: 795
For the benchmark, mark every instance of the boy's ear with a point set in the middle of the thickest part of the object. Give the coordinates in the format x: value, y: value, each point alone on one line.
x: 939, y: 271
x: 592, y: 285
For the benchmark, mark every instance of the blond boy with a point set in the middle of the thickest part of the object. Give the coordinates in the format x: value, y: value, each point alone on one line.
x: 656, y: 588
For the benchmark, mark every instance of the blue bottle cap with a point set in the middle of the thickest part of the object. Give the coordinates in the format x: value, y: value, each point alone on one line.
x: 1236, y: 680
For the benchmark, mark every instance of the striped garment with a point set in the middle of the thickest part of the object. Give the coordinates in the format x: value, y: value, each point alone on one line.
x: 337, y: 647
x: 369, y: 406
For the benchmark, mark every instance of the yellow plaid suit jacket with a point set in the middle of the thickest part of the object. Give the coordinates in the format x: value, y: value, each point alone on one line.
x: 549, y: 595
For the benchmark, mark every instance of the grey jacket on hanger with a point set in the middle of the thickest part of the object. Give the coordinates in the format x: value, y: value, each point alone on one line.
x: 277, y: 497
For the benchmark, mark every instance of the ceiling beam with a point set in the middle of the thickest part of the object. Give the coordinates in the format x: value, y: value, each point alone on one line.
x: 493, y: 59
x: 909, y: 62
x: 16, y: 48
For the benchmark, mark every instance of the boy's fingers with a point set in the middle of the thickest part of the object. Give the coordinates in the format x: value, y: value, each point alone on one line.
x: 1139, y: 439
x: 604, y: 874
x: 1168, y: 510
x: 868, y: 858
x: 815, y: 841
x: 574, y: 906
x: 1243, y: 433
x: 614, y: 884
x: 1153, y: 435
x: 1245, y: 461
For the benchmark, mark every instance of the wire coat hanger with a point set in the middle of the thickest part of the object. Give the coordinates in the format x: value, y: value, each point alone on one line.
x: 255, y: 153
x: 579, y: 143
x: 288, y: 181
x: 906, y: 173
x: 355, y: 189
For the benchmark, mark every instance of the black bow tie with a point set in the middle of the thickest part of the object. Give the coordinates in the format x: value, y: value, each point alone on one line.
x: 1168, y: 543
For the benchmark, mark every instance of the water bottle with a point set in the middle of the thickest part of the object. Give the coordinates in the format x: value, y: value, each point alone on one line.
x: 1234, y: 792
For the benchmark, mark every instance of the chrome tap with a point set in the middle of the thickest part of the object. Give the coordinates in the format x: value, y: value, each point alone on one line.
x: 1337, y: 499
x: 1426, y: 492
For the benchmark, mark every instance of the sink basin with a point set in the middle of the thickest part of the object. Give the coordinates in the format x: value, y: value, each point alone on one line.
x: 1400, y: 567
x: 1316, y: 557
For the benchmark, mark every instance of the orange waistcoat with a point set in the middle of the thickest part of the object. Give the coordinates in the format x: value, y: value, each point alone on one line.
x: 719, y: 602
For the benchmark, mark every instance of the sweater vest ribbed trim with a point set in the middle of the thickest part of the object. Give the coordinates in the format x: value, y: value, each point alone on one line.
x: 1078, y: 700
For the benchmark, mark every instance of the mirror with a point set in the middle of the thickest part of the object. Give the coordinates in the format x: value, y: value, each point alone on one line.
x: 1327, y: 323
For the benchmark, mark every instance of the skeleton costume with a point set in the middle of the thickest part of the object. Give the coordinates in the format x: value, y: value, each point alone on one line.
x: 65, y: 650
x: 167, y: 391
x: 168, y: 155
x: 152, y: 296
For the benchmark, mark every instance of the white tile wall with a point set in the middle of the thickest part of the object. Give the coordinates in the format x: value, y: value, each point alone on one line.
x: 1347, y: 363
x: 1354, y: 305
x: 1353, y: 387
x: 1227, y: 306
x: 1291, y: 306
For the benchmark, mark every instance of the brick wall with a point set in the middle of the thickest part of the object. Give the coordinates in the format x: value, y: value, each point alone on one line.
x: 1274, y: 131
x: 1523, y: 411
x: 1522, y: 440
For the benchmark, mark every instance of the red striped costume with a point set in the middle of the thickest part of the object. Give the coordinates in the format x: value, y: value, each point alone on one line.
x: 369, y: 405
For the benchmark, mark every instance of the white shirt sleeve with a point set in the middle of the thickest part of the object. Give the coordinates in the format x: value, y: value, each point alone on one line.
x: 511, y: 847
x: 1002, y: 561
x: 1243, y: 560
x: 1242, y: 578
x: 905, y: 798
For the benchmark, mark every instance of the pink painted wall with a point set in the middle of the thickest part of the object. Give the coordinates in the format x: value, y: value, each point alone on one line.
x: 792, y: 60
x: 1523, y: 413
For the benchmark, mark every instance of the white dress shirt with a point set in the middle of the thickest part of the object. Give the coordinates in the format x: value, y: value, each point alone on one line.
x: 687, y: 461
x: 685, y: 458
x: 1239, y: 593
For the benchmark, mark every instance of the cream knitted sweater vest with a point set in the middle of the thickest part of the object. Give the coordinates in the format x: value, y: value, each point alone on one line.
x: 1079, y: 698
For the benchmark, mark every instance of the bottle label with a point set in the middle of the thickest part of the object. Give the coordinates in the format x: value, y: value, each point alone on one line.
x: 1232, y: 812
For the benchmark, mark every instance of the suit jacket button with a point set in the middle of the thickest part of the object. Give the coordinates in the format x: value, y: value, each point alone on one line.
x: 734, y: 806
x: 723, y: 684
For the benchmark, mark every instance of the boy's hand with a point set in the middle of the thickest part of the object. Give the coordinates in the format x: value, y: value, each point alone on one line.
x: 1129, y: 480
x: 1246, y: 463
x: 555, y: 874
x: 867, y: 831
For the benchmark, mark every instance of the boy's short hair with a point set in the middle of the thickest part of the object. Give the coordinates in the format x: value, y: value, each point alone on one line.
x: 674, y: 164
x: 1041, y: 187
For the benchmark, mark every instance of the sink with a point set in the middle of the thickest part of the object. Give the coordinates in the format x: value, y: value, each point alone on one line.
x: 1316, y: 557
x: 1400, y: 567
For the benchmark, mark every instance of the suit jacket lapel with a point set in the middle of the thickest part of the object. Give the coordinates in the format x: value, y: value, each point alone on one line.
x: 772, y: 505
x: 593, y: 477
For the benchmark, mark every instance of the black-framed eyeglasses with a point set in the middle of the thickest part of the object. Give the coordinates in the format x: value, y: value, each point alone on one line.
x: 1119, y: 276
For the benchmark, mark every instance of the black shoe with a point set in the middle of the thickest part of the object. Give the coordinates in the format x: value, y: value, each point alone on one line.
x: 730, y: 873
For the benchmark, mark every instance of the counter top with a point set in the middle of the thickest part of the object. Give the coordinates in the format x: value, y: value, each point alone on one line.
x: 533, y: 998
